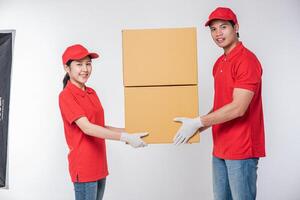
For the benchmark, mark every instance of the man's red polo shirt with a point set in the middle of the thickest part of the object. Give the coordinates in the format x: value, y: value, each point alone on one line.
x: 243, y: 137
x: 87, y: 155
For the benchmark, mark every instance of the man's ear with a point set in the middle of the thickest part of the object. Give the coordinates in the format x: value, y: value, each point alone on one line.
x: 236, y: 28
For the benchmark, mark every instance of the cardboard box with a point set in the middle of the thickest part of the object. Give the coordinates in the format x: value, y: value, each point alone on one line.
x: 158, y: 57
x: 154, y: 108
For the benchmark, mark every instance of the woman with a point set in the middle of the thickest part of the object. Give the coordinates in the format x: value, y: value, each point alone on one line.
x: 85, y: 130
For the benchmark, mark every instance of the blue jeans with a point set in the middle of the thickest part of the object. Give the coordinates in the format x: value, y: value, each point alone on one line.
x: 234, y: 179
x: 90, y: 190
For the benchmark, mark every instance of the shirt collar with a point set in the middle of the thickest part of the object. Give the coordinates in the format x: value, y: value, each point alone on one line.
x: 77, y: 90
x: 239, y: 46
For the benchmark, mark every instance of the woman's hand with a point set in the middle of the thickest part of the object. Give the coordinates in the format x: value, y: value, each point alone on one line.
x: 134, y: 139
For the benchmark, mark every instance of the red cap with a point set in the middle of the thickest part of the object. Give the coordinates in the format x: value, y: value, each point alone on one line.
x: 223, y: 14
x: 76, y: 52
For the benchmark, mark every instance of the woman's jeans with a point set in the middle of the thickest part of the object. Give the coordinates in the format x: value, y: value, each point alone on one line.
x: 234, y: 179
x: 90, y: 190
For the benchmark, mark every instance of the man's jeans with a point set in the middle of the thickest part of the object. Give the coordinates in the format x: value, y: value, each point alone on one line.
x: 90, y: 190
x: 234, y: 179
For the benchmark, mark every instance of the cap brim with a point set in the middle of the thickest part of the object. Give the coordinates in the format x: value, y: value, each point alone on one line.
x: 207, y: 23
x: 93, y: 55
x: 80, y: 56
x: 220, y: 18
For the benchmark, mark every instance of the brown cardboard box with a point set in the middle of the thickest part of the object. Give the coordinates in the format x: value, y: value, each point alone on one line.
x: 160, y: 57
x: 153, y: 109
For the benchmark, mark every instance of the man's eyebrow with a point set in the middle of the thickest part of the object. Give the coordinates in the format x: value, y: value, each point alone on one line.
x: 219, y: 25
x: 223, y: 24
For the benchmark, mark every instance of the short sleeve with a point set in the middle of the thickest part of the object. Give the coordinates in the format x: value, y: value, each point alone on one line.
x: 69, y: 108
x: 248, y: 75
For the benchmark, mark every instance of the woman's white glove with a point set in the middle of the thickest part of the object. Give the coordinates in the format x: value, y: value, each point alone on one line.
x: 188, y: 128
x: 134, y: 139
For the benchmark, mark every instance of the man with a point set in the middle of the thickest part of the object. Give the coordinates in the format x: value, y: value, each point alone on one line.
x: 237, y: 115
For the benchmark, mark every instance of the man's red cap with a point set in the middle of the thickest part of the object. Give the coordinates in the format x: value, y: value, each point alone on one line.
x: 223, y: 14
x: 77, y: 52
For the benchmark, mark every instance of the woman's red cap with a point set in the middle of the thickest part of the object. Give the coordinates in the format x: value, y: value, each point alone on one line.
x: 77, y: 52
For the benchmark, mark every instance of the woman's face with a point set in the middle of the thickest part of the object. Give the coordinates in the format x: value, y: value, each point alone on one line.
x: 79, y: 71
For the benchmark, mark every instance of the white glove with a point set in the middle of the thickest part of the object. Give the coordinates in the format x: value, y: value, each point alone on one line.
x: 188, y: 128
x: 134, y: 139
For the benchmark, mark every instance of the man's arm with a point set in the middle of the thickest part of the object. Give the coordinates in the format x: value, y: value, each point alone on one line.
x: 237, y: 108
x: 205, y: 127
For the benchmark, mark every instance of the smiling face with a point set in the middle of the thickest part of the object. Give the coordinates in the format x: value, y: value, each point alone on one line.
x: 79, y: 71
x: 224, y: 35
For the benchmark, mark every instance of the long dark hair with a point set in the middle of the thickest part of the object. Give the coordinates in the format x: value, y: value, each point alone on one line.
x: 67, y: 77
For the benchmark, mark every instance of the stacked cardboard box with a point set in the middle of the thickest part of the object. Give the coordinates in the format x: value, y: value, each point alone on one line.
x: 160, y: 80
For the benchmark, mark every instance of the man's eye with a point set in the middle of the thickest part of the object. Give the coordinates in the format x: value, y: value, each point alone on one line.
x: 223, y: 27
x: 79, y: 64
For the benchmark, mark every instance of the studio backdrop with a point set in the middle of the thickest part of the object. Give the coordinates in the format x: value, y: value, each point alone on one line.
x: 5, y: 74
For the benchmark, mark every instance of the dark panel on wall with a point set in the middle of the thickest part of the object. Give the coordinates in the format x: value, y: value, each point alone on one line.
x: 5, y: 74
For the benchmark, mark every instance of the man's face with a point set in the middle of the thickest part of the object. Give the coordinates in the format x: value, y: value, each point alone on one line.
x: 223, y: 33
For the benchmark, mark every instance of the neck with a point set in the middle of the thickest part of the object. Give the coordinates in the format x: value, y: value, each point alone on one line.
x: 231, y: 46
x: 79, y: 85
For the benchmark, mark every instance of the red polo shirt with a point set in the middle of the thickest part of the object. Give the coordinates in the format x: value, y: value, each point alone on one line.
x: 87, y: 155
x: 243, y: 137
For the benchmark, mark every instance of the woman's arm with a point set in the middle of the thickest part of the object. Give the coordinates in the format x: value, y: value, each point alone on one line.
x: 97, y: 131
x: 111, y: 133
x: 116, y: 129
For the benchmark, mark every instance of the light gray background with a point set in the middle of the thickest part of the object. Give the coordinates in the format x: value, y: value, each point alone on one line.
x: 37, y: 149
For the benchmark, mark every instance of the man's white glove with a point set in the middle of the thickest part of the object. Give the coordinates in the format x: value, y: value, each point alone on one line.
x: 188, y: 128
x: 134, y: 139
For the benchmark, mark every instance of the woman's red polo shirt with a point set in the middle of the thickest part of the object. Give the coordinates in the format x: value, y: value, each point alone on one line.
x: 87, y: 155
x: 243, y: 137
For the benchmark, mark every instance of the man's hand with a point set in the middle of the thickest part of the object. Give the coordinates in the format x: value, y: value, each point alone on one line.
x: 134, y: 139
x: 187, y: 130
